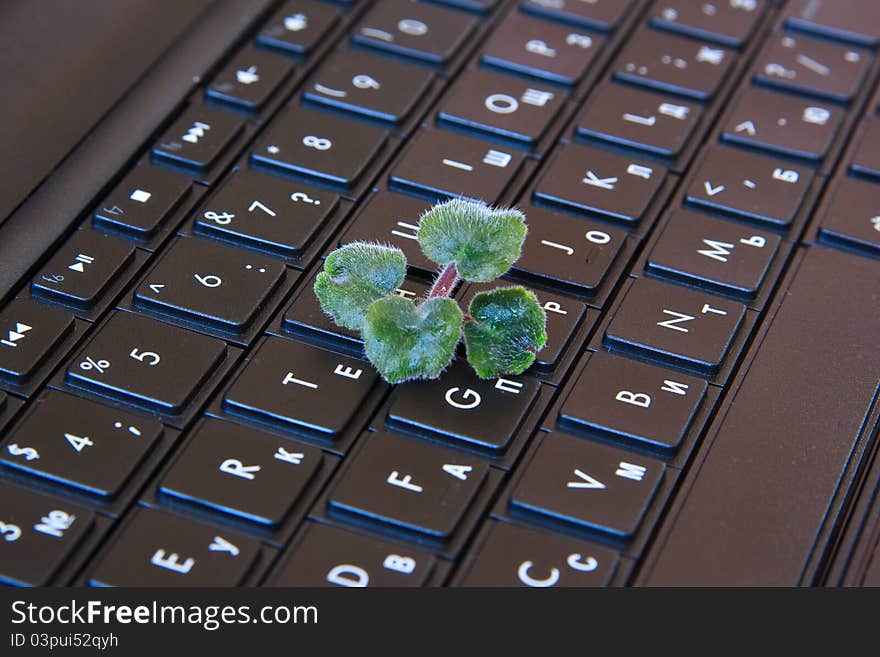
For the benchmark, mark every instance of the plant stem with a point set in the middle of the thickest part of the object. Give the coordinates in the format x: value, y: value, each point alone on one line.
x: 445, y: 282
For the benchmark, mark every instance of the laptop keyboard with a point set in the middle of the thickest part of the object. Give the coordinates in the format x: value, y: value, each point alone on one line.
x: 176, y: 409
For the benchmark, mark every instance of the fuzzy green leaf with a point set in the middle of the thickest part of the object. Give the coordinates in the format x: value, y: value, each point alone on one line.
x: 508, y: 327
x: 482, y: 241
x: 354, y: 277
x: 408, y: 341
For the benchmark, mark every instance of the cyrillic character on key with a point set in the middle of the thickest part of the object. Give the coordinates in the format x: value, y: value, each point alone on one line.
x: 786, y: 175
x: 754, y: 240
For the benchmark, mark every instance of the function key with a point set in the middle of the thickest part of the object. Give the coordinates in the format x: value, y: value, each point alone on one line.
x: 37, y: 534
x: 597, y: 14
x: 143, y: 200
x: 730, y: 22
x: 155, y: 548
x: 298, y: 26
x: 855, y: 21
x: 549, y: 51
x: 409, y: 484
x: 851, y: 217
x: 415, y: 29
x: 80, y: 443
x: 598, y: 182
x: 249, y: 79
x: 198, y: 137
x: 29, y: 332
x: 866, y: 159
x: 83, y: 268
x: 675, y: 64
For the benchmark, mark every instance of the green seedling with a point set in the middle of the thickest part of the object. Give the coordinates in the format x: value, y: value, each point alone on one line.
x: 503, y: 329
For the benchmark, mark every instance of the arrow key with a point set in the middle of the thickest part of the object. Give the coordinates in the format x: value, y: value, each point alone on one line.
x: 29, y: 331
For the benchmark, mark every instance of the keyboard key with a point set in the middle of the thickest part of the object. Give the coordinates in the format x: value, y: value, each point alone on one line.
x: 461, y: 406
x: 598, y: 182
x: 375, y: 87
x: 414, y: 29
x: 545, y: 50
x: 500, y: 106
x: 852, y: 217
x: 409, y: 484
x: 307, y: 387
x: 250, y: 79
x: 639, y: 119
x: 329, y: 556
x: 39, y: 532
x: 749, y: 185
x: 298, y: 26
x: 445, y: 164
x: 783, y: 124
x: 587, y: 484
x: 242, y: 472
x: 516, y: 556
x: 813, y: 67
x: 29, y: 333
x: 198, y: 137
x: 135, y: 358
x: 675, y: 64
x: 155, y: 548
x: 80, y: 443
x: 599, y: 14
x: 730, y: 22
x: 866, y: 159
x: 321, y: 145
x: 625, y: 397
x: 203, y: 281
x: 675, y: 323
x: 266, y: 212
x: 727, y: 256
x: 144, y: 199
x: 854, y: 21
x: 83, y: 268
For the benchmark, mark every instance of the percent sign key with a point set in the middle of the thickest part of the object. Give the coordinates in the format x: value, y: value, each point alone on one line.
x: 99, y: 366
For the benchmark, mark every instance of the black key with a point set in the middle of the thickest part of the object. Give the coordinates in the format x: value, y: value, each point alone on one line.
x: 587, y: 484
x: 296, y: 384
x: 624, y: 397
x: 266, y: 212
x: 599, y: 182
x: 460, y: 406
x: 674, y: 64
x: 854, y: 21
x: 82, y: 270
x: 500, y: 106
x: 155, y: 548
x: 813, y: 67
x: 321, y: 145
x: 378, y: 88
x: 329, y: 556
x: 516, y: 556
x: 568, y: 251
x: 143, y: 200
x: 730, y: 22
x: 29, y: 332
x: 38, y: 532
x: 242, y: 472
x: 250, y: 79
x: 639, y: 119
x: 719, y: 254
x: 783, y: 124
x: 748, y: 185
x: 444, y: 164
x: 598, y: 14
x: 80, y: 443
x: 852, y: 216
x: 198, y: 137
x: 409, y: 484
x: 415, y: 29
x: 298, y: 26
x: 143, y: 360
x: 866, y: 159
x: 676, y: 324
x: 481, y: 6
x: 549, y: 51
x: 203, y: 281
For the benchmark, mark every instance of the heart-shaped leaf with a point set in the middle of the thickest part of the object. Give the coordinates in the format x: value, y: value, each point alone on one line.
x: 507, y: 328
x: 408, y: 341
x: 483, y: 242
x: 354, y: 277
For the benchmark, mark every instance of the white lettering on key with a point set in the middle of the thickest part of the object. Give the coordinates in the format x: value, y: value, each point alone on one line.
x: 536, y: 97
x: 523, y: 574
x: 471, y: 398
x: 577, y: 562
x: 55, y: 523
x: 406, y: 482
x: 554, y: 307
x: 220, y: 544
x: 631, y: 471
x: 399, y: 564
x: 289, y: 457
x: 562, y: 247
x: 755, y: 240
x: 717, y: 250
x: 641, y: 120
x: 671, y: 323
x: 586, y: 481
x: 171, y: 562
x: 410, y: 236
x: 290, y: 378
x: 501, y: 104
x: 348, y: 372
x: 236, y: 468
x: 679, y: 112
x: 634, y: 398
x: 348, y: 575
x: 457, y: 471
x: 602, y: 183
x: 674, y: 387
x: 506, y: 385
x: 640, y: 171
x: 709, y: 309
